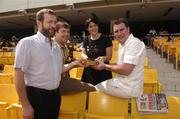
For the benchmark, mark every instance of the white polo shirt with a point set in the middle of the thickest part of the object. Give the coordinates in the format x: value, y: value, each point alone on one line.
x: 131, y: 52
x: 41, y: 64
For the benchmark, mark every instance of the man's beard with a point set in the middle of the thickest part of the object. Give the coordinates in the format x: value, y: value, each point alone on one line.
x: 47, y: 32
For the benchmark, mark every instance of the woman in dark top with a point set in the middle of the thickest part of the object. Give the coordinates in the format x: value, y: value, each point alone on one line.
x: 96, y: 47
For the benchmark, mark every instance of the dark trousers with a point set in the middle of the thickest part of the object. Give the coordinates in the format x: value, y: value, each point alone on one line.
x: 46, y: 103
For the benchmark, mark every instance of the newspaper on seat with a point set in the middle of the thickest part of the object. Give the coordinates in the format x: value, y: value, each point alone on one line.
x: 152, y: 103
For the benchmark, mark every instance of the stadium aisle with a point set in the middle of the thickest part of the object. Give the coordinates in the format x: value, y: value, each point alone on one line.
x: 167, y: 75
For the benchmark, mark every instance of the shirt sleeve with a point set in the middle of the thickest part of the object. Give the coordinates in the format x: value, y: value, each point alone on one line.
x: 133, y: 52
x: 23, y: 55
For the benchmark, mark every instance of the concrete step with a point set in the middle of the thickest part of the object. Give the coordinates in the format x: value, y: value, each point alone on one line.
x: 167, y: 75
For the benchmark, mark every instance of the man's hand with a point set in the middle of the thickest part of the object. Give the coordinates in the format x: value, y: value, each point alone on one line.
x: 101, y: 58
x: 28, y: 112
x: 100, y: 65
x: 80, y: 62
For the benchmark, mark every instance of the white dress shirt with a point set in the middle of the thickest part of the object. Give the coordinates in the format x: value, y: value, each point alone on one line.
x: 40, y: 62
x: 131, y: 52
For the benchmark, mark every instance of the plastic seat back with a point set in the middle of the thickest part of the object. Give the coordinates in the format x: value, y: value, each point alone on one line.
x: 9, y: 69
x: 151, y: 84
x: 106, y: 106
x: 177, y: 57
x: 73, y: 106
x: 8, y: 93
x: 15, y: 112
x: 146, y: 62
x: 6, y: 79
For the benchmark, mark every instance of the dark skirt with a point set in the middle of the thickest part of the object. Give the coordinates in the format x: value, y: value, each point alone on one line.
x: 94, y: 77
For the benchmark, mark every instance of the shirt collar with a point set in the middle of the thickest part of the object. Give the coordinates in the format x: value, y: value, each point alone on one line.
x: 128, y: 39
x: 42, y: 37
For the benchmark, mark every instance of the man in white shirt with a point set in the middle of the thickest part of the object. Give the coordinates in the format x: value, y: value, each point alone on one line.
x: 130, y: 64
x: 38, y: 68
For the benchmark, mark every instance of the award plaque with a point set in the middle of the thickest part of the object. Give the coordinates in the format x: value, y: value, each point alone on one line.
x: 92, y: 62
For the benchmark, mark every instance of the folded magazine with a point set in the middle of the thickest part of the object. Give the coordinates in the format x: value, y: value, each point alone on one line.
x: 152, y: 103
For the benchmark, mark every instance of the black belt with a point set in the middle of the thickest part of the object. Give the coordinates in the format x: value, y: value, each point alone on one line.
x: 42, y: 90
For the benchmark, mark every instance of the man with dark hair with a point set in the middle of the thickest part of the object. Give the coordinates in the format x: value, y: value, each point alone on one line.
x: 69, y: 85
x: 130, y: 64
x: 38, y: 68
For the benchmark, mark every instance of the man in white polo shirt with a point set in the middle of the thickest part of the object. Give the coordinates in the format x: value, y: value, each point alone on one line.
x: 130, y: 64
x: 38, y: 68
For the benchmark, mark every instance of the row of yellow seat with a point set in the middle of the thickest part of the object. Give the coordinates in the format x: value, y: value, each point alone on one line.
x: 7, y: 54
x: 151, y: 83
x: 74, y: 106
x: 168, y: 49
x: 7, y: 75
x: 7, y: 58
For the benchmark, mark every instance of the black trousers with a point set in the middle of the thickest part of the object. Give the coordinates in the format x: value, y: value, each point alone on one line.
x: 46, y: 103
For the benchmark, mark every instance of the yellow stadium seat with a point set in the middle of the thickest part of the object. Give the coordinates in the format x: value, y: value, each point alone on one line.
x: 9, y: 69
x: 11, y: 60
x: 158, y: 42
x: 8, y: 93
x: 7, y: 58
x: 14, y: 112
x: 79, y: 72
x: 164, y: 48
x: 3, y: 112
x: 113, y: 74
x: 7, y: 54
x: 103, y: 106
x: 73, y: 73
x: 171, y: 51
x: 1, y: 54
x: 8, y: 96
x: 146, y: 62
x: 151, y: 83
x: 76, y: 54
x: 115, y: 48
x: 115, y: 45
x: 3, y: 60
x: 173, y: 105
x: 73, y: 106
x: 177, y: 57
x: 6, y: 78
x: 76, y: 73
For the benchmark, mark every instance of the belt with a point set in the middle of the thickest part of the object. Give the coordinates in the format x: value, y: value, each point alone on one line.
x: 30, y: 88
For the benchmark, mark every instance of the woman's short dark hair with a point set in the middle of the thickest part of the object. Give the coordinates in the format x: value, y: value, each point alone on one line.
x: 62, y: 24
x: 121, y: 20
x: 89, y: 20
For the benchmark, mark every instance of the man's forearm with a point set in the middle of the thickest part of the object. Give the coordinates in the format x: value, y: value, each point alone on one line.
x: 123, y: 69
x: 113, y: 68
x: 21, y: 88
x: 69, y: 66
